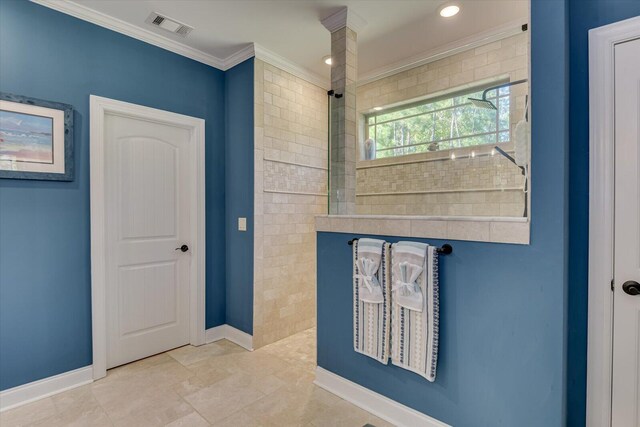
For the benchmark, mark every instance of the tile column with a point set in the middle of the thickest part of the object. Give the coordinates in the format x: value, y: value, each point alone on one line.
x: 343, y: 26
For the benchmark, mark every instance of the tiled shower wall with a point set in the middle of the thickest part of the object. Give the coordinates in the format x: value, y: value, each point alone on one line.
x: 433, y: 183
x: 291, y: 157
x: 482, y: 186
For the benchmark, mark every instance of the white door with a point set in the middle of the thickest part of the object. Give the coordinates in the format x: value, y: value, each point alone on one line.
x: 147, y: 207
x: 626, y: 330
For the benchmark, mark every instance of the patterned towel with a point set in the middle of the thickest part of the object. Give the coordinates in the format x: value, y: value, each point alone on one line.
x: 371, y: 304
x: 414, y: 331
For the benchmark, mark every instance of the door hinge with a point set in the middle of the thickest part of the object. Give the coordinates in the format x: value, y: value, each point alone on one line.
x: 611, y: 284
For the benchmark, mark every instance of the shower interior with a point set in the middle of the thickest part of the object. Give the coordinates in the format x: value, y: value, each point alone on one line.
x: 400, y: 169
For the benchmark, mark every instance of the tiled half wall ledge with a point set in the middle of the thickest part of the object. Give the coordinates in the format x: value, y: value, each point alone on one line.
x: 477, y: 229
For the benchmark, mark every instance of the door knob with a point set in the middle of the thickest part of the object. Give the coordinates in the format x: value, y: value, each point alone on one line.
x: 183, y: 248
x: 631, y: 287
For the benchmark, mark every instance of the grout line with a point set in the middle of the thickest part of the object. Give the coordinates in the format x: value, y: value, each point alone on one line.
x: 368, y: 164
x: 294, y: 164
x: 194, y: 409
x: 302, y: 193
x: 109, y: 417
x: 461, y: 190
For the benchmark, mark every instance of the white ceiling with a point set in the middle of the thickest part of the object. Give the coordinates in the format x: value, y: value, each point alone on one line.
x: 395, y: 30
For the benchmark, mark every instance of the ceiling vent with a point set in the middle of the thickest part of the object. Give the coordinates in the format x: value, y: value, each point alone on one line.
x: 169, y: 24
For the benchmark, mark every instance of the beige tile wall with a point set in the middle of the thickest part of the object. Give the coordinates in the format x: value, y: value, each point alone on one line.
x: 442, y: 187
x: 291, y: 189
x: 479, y: 202
x: 295, y: 178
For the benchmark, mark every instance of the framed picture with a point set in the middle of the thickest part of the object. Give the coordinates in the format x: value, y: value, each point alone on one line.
x: 36, y: 139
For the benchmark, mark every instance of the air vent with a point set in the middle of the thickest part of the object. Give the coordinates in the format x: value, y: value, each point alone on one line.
x: 169, y: 24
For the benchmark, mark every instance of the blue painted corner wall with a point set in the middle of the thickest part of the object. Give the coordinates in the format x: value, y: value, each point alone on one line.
x: 587, y: 14
x: 45, y: 298
x: 239, y: 181
x: 503, y: 336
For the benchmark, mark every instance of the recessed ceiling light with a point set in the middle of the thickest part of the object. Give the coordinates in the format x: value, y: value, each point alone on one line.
x: 377, y: 108
x: 327, y: 60
x: 449, y: 10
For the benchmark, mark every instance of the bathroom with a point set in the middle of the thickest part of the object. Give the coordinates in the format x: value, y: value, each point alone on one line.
x: 213, y: 271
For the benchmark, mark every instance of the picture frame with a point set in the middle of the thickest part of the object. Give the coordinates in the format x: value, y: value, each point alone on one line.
x: 36, y: 139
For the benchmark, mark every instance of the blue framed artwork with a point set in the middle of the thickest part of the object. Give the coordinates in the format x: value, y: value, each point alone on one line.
x: 36, y: 139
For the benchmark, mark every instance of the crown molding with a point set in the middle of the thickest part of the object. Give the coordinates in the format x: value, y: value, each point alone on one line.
x: 86, y: 14
x: 98, y: 18
x: 284, y: 64
x: 239, y: 56
x: 345, y: 17
x: 498, y: 33
x: 337, y: 20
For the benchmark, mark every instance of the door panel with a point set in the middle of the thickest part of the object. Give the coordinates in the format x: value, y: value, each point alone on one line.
x: 147, y: 217
x: 137, y: 312
x: 148, y: 169
x: 626, y: 334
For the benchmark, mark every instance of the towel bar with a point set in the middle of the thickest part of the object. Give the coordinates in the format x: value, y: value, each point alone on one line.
x: 446, y: 249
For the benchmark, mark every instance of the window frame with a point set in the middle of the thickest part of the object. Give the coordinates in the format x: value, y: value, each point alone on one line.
x: 429, y: 100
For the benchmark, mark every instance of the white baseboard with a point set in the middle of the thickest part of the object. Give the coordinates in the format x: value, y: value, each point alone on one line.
x: 230, y: 333
x: 377, y: 404
x: 216, y: 333
x: 46, y: 387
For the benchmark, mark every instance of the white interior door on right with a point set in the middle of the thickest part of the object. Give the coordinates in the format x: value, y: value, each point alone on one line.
x: 626, y: 297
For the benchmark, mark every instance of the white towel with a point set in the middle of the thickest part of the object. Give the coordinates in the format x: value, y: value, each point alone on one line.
x: 368, y: 263
x: 414, y: 330
x: 406, y: 292
x: 371, y: 298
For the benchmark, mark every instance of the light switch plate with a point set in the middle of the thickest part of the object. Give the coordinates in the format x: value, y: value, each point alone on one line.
x: 242, y: 224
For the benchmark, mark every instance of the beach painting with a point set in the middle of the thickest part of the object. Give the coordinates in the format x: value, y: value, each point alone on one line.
x: 36, y: 139
x: 26, y: 138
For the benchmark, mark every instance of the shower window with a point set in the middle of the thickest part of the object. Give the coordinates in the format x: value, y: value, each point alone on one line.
x: 442, y: 123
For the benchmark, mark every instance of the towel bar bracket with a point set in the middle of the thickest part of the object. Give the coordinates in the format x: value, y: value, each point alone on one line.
x: 446, y: 249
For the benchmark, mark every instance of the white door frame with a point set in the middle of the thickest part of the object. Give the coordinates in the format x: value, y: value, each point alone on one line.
x: 98, y: 108
x: 602, y: 42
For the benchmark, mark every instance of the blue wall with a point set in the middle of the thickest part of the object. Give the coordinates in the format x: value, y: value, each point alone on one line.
x: 239, y: 195
x: 587, y: 14
x: 502, y: 359
x: 45, y: 300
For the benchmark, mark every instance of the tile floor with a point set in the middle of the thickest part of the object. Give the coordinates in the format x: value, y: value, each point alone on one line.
x: 218, y: 384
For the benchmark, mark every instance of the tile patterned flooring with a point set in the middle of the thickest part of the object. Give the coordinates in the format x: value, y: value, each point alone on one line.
x: 218, y: 384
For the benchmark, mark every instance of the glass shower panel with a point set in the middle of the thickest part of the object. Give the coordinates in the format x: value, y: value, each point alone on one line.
x: 342, y: 151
